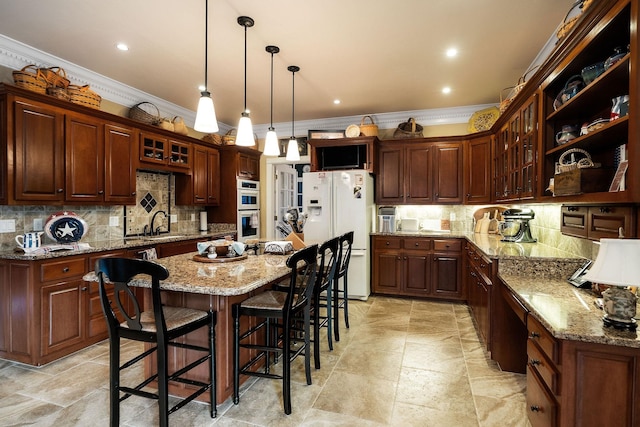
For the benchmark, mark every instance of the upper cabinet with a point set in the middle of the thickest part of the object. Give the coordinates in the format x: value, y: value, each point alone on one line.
x: 344, y: 153
x: 477, y: 170
x: 570, y: 98
x: 419, y: 172
x: 164, y: 153
x: 202, y: 187
x: 515, y: 152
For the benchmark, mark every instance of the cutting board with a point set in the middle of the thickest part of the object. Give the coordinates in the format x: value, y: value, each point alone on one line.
x: 491, y: 210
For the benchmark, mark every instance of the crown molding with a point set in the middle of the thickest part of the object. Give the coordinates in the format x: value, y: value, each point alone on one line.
x: 16, y: 55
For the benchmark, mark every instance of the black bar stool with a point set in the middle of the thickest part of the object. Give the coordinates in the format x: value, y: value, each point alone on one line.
x: 341, y: 296
x: 162, y: 326
x: 278, y: 309
x: 323, y: 295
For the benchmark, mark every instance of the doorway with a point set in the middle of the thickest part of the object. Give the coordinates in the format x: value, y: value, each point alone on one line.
x: 283, y: 191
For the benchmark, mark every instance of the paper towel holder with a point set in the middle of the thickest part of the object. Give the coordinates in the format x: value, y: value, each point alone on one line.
x: 203, y: 221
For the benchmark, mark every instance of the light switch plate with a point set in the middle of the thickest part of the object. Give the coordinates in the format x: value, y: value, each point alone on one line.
x: 7, y: 225
x: 174, y: 218
x: 193, y: 217
x: 114, y: 221
x: 37, y: 224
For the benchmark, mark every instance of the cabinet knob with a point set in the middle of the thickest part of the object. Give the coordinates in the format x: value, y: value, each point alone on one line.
x: 417, y: 244
x: 60, y: 190
x: 605, y: 210
x: 101, y: 192
x: 572, y: 208
x: 65, y: 270
x: 468, y: 195
x: 387, y: 243
x: 437, y: 195
x: 84, y: 289
x: 534, y: 362
x: 535, y: 408
x: 133, y: 194
x: 534, y: 335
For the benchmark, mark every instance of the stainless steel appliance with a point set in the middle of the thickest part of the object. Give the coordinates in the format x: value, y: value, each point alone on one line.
x: 337, y: 202
x: 387, y: 219
x: 248, y: 193
x: 515, y: 227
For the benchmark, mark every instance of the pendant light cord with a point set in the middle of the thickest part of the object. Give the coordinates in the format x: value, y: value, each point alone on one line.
x: 271, y: 90
x: 245, y: 68
x: 293, y: 103
x: 206, y: 42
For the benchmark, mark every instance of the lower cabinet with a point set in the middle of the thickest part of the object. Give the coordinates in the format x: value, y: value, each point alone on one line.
x: 417, y: 266
x: 479, y: 277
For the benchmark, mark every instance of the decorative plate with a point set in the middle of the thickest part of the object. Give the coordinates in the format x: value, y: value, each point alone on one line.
x: 65, y: 227
x: 352, y: 131
x: 483, y: 119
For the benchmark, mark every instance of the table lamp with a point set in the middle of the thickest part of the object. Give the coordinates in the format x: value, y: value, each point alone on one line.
x: 617, y: 265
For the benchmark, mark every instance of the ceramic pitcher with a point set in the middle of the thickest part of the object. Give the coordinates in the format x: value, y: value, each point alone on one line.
x: 30, y: 240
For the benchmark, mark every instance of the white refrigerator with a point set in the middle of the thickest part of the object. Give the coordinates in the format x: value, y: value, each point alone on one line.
x: 337, y: 202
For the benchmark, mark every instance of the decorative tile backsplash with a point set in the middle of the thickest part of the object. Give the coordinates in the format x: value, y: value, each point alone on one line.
x: 99, y: 219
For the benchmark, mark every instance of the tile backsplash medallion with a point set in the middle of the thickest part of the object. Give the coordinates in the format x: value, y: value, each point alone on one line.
x: 160, y: 186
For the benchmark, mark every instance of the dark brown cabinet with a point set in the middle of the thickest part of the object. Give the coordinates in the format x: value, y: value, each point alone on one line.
x: 596, y: 222
x: 84, y: 159
x: 414, y: 266
x: 202, y: 186
x: 36, y: 159
x: 344, y: 153
x: 479, y: 279
x: 249, y: 165
x: 165, y: 153
x: 478, y: 170
x: 120, y: 164
x: 515, y: 152
x: 419, y: 172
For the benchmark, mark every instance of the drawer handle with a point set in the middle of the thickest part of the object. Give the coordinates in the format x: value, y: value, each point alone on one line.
x: 535, y: 408
x: 482, y: 265
x: 534, y: 335
x: 534, y: 362
x: 417, y: 244
x: 605, y: 210
x: 572, y: 208
x: 65, y: 270
x: 387, y: 243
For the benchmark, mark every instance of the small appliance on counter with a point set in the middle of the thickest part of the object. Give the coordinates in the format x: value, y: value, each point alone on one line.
x: 387, y: 219
x: 515, y: 227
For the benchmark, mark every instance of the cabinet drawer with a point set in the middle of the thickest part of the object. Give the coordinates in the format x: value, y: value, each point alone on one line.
x: 573, y: 220
x: 387, y: 243
x: 517, y: 307
x: 417, y: 244
x: 541, y: 407
x: 540, y: 364
x: 62, y: 269
x: 607, y: 221
x: 542, y: 338
x: 447, y: 245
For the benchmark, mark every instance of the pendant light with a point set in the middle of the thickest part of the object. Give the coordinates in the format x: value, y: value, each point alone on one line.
x: 271, y: 146
x: 206, y: 120
x: 293, y: 154
x: 245, y: 128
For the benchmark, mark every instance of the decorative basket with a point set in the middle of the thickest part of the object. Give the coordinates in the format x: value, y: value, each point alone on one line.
x: 179, y: 126
x: 58, y: 92
x: 55, y: 77
x: 30, y: 78
x: 568, y: 23
x: 566, y: 163
x: 368, y: 129
x: 229, y: 138
x: 166, y: 124
x: 212, y: 138
x: 408, y: 129
x: 514, y: 90
x: 141, y: 115
x: 83, y: 95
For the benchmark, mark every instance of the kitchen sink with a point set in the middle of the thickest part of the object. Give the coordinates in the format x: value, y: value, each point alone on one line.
x: 160, y: 238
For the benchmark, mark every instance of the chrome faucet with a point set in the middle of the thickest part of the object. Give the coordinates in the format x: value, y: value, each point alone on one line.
x: 155, y: 231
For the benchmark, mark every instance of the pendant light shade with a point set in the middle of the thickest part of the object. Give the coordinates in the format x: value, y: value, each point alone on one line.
x: 293, y: 154
x: 245, y: 128
x: 206, y: 120
x: 271, y: 146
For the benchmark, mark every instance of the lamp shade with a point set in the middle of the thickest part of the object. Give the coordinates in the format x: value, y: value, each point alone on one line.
x: 245, y: 131
x: 206, y: 120
x: 271, y: 146
x: 617, y: 263
x: 293, y: 154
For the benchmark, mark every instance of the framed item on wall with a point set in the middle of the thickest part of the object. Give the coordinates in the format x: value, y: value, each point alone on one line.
x: 326, y: 134
x: 302, y: 146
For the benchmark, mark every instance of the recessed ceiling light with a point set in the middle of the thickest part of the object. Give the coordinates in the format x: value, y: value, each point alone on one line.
x: 122, y: 46
x: 446, y: 90
x: 336, y: 101
x: 451, y: 52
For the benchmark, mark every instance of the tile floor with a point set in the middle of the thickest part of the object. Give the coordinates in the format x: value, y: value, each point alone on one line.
x: 402, y: 363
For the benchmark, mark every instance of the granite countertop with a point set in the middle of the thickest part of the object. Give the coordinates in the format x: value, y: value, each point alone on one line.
x: 217, y: 278
x: 569, y: 313
x: 108, y: 245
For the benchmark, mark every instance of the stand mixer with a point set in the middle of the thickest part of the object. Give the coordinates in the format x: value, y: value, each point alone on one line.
x: 515, y: 227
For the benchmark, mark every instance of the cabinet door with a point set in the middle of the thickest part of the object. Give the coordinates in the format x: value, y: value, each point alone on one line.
x: 417, y: 176
x: 417, y: 268
x: 528, y: 148
x: 200, y: 175
x: 573, y: 221
x: 213, y: 178
x: 390, y: 185
x: 387, y: 272
x: 501, y: 164
x: 478, y: 171
x: 447, y: 167
x: 38, y: 153
x: 609, y: 221
x: 179, y: 154
x: 84, y: 159
x: 447, y: 279
x: 62, y: 315
x: 153, y: 149
x: 248, y: 166
x: 120, y: 160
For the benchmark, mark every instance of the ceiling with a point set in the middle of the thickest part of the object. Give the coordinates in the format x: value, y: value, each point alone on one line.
x: 376, y: 57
